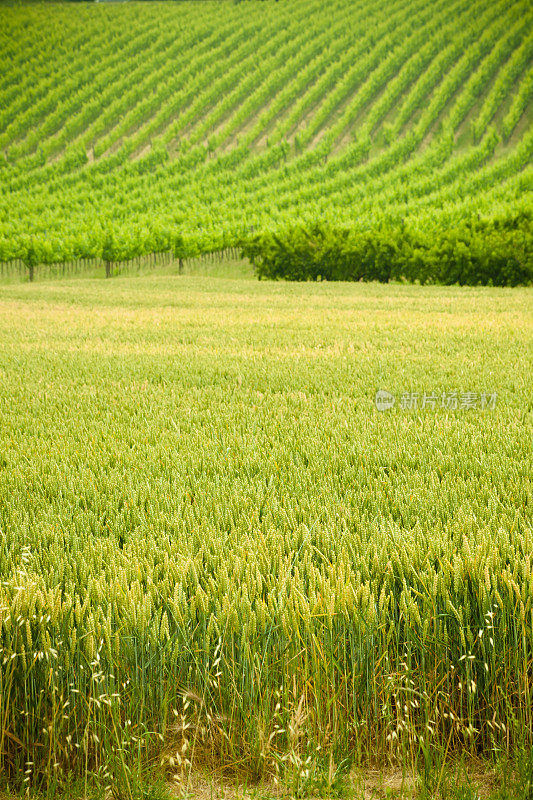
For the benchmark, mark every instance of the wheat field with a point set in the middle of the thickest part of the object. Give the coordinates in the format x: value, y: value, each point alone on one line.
x: 216, y: 549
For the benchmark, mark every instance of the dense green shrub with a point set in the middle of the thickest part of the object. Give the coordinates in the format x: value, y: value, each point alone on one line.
x: 496, y: 252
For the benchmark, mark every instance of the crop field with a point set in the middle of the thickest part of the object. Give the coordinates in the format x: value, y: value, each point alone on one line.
x: 137, y: 128
x: 274, y: 535
x: 216, y: 550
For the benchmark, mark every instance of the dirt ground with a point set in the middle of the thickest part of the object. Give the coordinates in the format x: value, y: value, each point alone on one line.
x: 372, y: 784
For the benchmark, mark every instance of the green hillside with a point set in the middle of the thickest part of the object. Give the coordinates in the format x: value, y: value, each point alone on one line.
x: 137, y: 126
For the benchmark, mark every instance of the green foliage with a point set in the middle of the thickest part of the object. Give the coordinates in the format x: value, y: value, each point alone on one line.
x: 496, y: 253
x: 212, y: 119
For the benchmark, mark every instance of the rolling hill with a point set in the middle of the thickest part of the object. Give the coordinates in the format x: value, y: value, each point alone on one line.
x: 135, y: 126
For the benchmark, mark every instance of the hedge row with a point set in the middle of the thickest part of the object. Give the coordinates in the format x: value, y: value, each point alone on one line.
x: 496, y: 252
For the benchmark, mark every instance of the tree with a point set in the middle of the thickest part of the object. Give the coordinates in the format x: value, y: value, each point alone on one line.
x: 30, y: 258
x: 108, y: 252
x: 179, y: 250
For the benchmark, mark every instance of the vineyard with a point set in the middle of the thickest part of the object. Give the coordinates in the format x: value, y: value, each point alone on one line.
x: 189, y: 128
